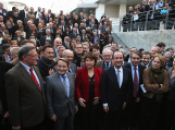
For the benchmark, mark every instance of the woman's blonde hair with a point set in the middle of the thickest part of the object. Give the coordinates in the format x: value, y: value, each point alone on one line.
x: 162, y: 59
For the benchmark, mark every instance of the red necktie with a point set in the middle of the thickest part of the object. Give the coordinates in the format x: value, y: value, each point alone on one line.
x: 135, y: 83
x: 34, y: 78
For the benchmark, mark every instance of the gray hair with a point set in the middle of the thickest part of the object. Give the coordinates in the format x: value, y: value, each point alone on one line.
x: 85, y: 44
x: 109, y: 45
x: 123, y: 50
x: 58, y: 48
x: 47, y: 30
x: 24, y: 51
x: 167, y: 52
x: 57, y: 39
x: 106, y: 49
x: 13, y: 49
x: 67, y: 50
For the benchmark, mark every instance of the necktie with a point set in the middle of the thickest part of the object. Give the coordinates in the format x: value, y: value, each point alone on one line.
x: 64, y: 83
x: 34, y: 78
x: 107, y: 65
x: 118, y: 77
x: 69, y: 70
x: 135, y: 83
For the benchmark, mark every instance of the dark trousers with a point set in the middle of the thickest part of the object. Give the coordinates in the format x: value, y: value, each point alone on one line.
x: 89, y: 116
x: 112, y: 119
x: 149, y: 113
x: 170, y: 115
x: 66, y: 123
x: 132, y: 111
x: 36, y: 127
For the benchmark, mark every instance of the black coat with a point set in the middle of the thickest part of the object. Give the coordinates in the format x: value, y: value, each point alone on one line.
x: 110, y: 91
x: 43, y: 39
x: 4, y: 67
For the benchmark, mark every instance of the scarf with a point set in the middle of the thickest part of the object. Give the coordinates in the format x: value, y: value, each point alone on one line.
x: 159, y: 80
x: 48, y: 63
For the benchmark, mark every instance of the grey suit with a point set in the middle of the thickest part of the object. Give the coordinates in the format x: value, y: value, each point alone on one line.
x: 73, y: 68
x: 57, y: 101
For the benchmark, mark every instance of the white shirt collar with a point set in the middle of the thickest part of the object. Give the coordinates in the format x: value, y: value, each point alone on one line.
x: 120, y: 69
x: 25, y: 66
x: 134, y: 66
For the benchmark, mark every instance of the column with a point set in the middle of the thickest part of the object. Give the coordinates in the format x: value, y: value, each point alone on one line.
x: 100, y: 11
x: 122, y: 10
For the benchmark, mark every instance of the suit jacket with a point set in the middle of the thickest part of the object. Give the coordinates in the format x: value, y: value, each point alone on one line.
x: 141, y: 68
x: 110, y: 91
x: 52, y: 16
x: 43, y: 39
x: 73, y: 36
x: 57, y: 101
x: 22, y: 15
x: 4, y: 67
x: 82, y: 84
x: 73, y: 68
x: 101, y: 65
x: 98, y: 40
x: 26, y: 102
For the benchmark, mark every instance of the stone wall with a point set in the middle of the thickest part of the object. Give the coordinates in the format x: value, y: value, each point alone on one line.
x: 145, y: 39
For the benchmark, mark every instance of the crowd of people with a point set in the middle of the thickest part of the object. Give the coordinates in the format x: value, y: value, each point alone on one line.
x: 62, y: 72
x: 154, y: 11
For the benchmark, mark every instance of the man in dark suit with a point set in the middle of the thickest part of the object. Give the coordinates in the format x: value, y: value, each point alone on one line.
x: 107, y: 59
x: 4, y: 67
x: 48, y: 36
x: 116, y: 92
x: 127, y: 58
x: 69, y: 55
x: 81, y: 17
x: 93, y: 25
x: 25, y: 92
x: 168, y: 62
x: 61, y: 96
x: 40, y: 31
x: 23, y: 13
x: 3, y: 12
x: 51, y: 15
x: 136, y: 71
x: 74, y: 33
x: 95, y: 39
x: 83, y: 34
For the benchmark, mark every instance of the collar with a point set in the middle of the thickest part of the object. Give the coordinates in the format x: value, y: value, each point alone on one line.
x: 65, y: 75
x: 134, y: 66
x: 25, y: 66
x: 121, y: 69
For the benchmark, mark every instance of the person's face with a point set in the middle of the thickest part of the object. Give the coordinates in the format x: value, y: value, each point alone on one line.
x: 85, y: 49
x: 167, y: 57
x: 90, y: 63
x: 18, y: 34
x: 110, y: 39
x: 154, y: 51
x: 44, y: 10
x: 146, y: 59
x: 83, y: 63
x: 79, y: 49
x: 48, y: 53
x: 26, y: 8
x: 107, y: 56
x: 1, y: 6
x: 162, y: 49
x: 39, y: 9
x: 172, y: 52
x: 7, y: 51
x: 96, y: 52
x: 57, y: 43
x: 61, y: 67
x: 15, y: 55
x: 48, y: 33
x: 131, y: 50
x: 118, y: 59
x: 69, y: 56
x: 156, y: 64
x: 1, y: 19
x: 15, y: 44
x: 74, y: 30
x: 31, y: 58
x: 113, y: 47
x: 144, y: 2
x: 60, y: 52
x: 135, y: 59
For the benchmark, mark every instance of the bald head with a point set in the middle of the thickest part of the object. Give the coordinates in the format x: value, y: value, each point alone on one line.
x: 69, y: 55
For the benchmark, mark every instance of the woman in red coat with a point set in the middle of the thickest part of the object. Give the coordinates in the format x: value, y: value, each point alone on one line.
x: 87, y: 87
